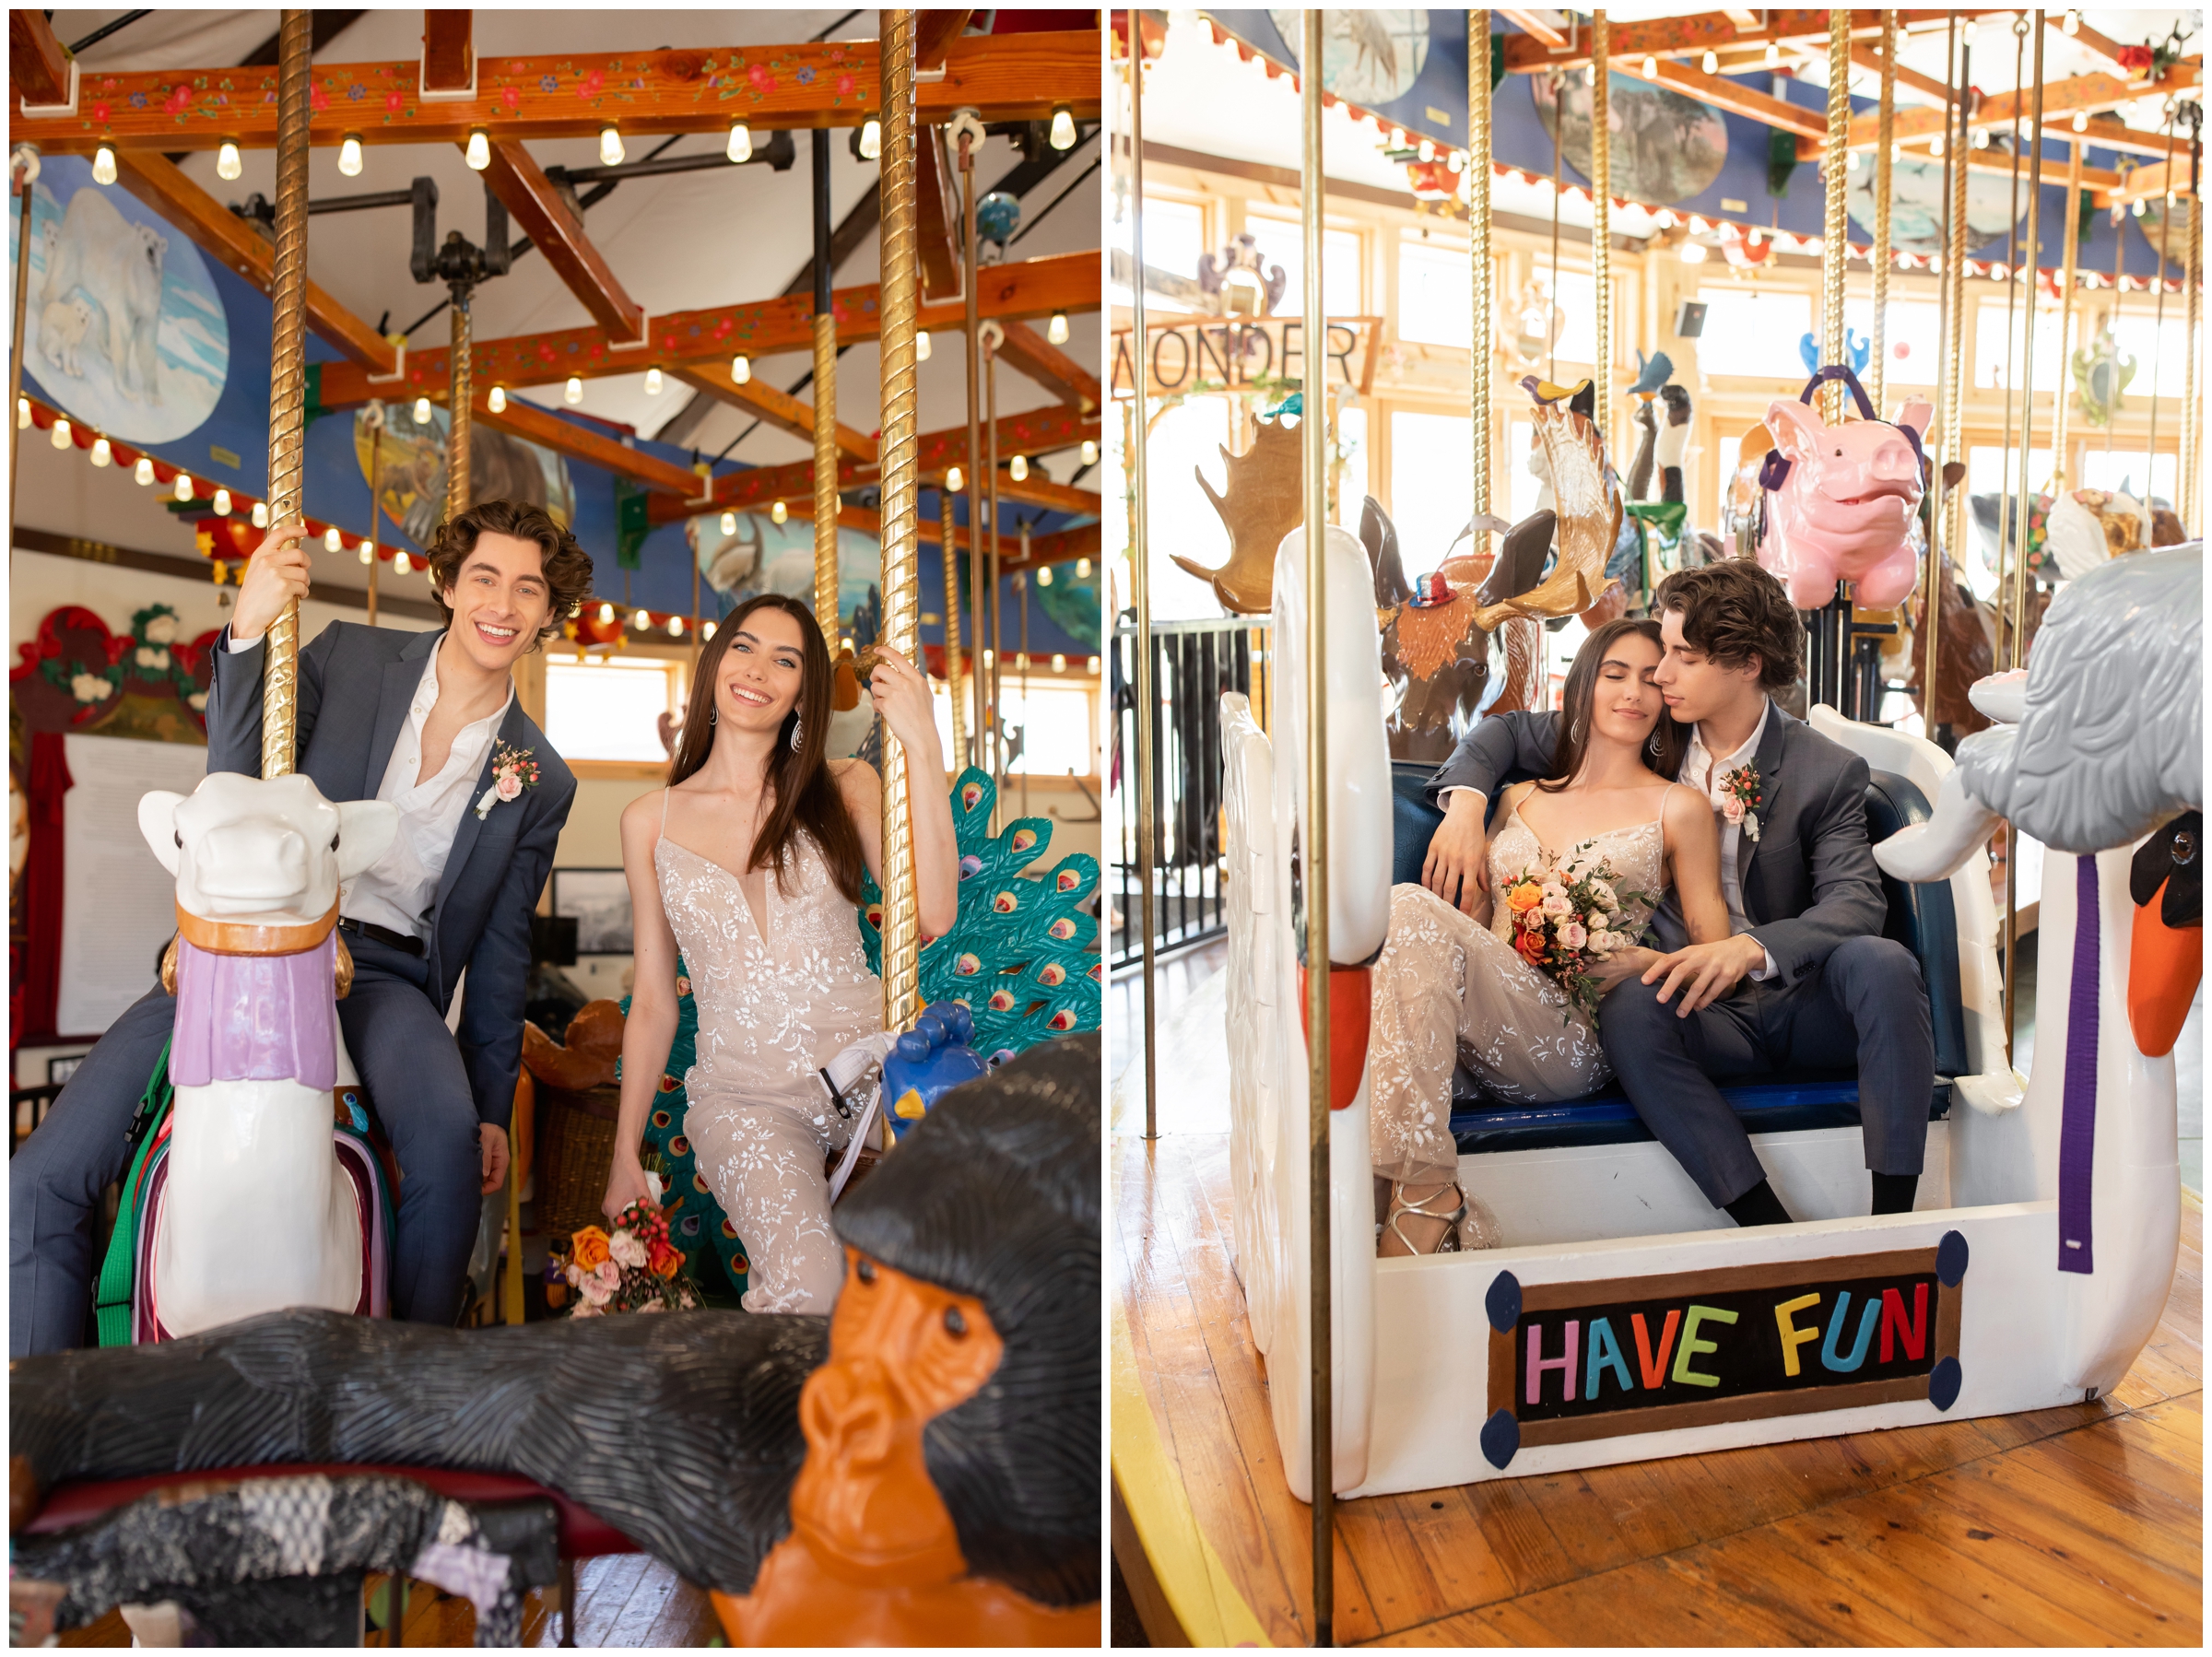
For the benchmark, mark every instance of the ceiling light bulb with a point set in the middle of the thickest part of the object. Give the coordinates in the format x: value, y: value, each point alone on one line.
x: 183, y: 488
x: 779, y: 511
x: 143, y: 473
x: 1045, y: 579
x: 102, y: 454
x: 871, y: 139
x: 1936, y: 146
x: 222, y: 503
x: 349, y: 156
x: 260, y: 514
x: 2081, y: 117
x: 1851, y: 161
x: 920, y: 345
x: 1651, y: 68
x: 572, y: 392
x: 1426, y: 150
x: 1056, y: 330
x: 741, y: 142
x: 2136, y: 208
x: 1019, y: 467
x: 2170, y: 199
x: 1589, y: 74
x: 706, y: 632
x: 399, y: 563
x: 729, y: 523
x: 641, y: 619
x: 367, y: 552
x: 653, y: 382
x: 1693, y: 252
x: 22, y: 414
x: 954, y: 480
x: 1059, y: 661
x: 60, y: 438
x: 611, y: 146
x: 497, y: 401
x: 675, y: 627
x: 479, y: 151
x: 741, y: 369
x: 422, y: 411
x: 1969, y: 31
x: 1090, y: 452
x: 1711, y: 62
x: 1773, y: 55
x: 607, y: 614
x: 226, y: 164
x: 103, y: 165
x: 1063, y: 129
x: 333, y: 541
x: 1981, y: 138
x: 1082, y: 570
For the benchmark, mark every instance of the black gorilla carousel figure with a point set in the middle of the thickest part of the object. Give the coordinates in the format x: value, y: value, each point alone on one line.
x: 710, y: 1438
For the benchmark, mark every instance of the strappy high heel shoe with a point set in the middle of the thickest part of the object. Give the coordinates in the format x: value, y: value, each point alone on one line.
x: 1448, y: 1242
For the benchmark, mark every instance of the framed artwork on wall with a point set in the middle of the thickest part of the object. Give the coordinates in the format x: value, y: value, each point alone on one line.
x: 598, y: 901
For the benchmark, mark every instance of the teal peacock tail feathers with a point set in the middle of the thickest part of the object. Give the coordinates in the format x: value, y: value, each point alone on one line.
x: 1021, y: 957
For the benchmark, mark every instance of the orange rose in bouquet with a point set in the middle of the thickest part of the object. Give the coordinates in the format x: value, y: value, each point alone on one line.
x: 634, y: 1269
x: 588, y: 1249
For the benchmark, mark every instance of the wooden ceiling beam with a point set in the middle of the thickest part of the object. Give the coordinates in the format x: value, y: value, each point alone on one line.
x: 233, y: 243
x: 1723, y: 93
x: 1993, y: 160
x: 2093, y: 94
x: 830, y: 83
x: 558, y: 232
x: 548, y: 430
x: 1020, y: 290
x: 1028, y: 353
x: 1870, y: 57
x: 2103, y: 45
x: 38, y: 69
x: 1716, y: 31
x: 2107, y: 132
x: 941, y: 231
x: 1033, y: 432
x: 934, y: 32
x: 780, y: 409
x: 1542, y: 25
x: 448, y: 50
x: 2147, y: 183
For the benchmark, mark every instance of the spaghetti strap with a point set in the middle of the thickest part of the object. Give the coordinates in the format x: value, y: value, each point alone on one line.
x: 664, y: 794
x: 1663, y: 799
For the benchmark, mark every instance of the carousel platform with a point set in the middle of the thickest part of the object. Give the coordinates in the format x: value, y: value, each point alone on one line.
x: 2078, y: 1525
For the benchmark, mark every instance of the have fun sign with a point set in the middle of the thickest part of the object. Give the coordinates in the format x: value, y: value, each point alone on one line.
x: 1575, y: 1361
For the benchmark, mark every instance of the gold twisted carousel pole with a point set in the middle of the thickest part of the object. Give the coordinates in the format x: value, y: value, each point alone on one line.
x: 287, y: 374
x: 1483, y: 278
x: 2062, y: 462
x: 970, y: 717
x: 1885, y: 137
x: 902, y: 260
x: 1137, y: 434
x: 1601, y: 215
x: 1835, y: 226
x: 1947, y: 435
x: 1313, y: 434
x: 2006, y: 505
x: 459, y: 408
x: 825, y: 416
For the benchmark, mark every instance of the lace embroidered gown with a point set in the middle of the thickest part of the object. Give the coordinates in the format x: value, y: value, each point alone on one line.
x: 779, y: 997
x: 1447, y: 987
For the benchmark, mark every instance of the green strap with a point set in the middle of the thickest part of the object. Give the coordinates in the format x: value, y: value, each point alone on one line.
x: 111, y: 1300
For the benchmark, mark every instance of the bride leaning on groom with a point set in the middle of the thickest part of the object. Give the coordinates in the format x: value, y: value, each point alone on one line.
x: 1681, y: 804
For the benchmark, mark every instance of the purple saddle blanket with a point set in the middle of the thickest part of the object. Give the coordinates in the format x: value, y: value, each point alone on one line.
x: 256, y: 1017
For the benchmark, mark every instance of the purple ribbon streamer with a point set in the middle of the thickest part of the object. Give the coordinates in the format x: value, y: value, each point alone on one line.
x: 2078, y: 1123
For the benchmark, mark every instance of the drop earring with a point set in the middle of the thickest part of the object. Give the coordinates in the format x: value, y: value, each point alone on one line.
x: 713, y: 714
x: 794, y: 734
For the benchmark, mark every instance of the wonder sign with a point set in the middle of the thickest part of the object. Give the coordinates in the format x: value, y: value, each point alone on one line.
x: 1240, y: 356
x: 1575, y: 1361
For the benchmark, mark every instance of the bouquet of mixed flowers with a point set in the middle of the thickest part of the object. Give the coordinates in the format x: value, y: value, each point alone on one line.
x: 1564, y: 918
x: 635, y: 1268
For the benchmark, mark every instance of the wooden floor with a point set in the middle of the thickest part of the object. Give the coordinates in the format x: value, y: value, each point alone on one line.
x: 626, y: 1600
x: 2076, y: 1526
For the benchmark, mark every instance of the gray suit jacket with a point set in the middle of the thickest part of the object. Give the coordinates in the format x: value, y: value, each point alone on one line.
x: 1809, y: 881
x: 356, y: 684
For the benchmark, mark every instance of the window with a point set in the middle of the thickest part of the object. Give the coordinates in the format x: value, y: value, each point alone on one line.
x: 1578, y: 317
x: 610, y: 707
x: 1521, y: 488
x: 2160, y: 351
x: 1436, y: 294
x: 1754, y: 332
x: 1996, y: 347
x: 1431, y: 495
x: 1989, y: 470
x: 1914, y: 343
x: 1174, y: 241
x: 1182, y: 520
x: 2124, y: 469
x: 1055, y: 722
x: 1279, y: 242
x: 1352, y: 486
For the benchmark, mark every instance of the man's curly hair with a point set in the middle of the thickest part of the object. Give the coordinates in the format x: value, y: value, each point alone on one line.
x: 1734, y: 611
x: 568, y: 568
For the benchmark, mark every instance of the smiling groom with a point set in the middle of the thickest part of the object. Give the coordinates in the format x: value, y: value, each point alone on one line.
x: 430, y: 723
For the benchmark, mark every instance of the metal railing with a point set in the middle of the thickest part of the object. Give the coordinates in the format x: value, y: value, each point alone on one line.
x: 1192, y: 664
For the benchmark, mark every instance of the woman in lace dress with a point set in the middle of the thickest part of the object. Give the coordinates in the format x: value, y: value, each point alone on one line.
x: 749, y: 864
x: 1448, y: 986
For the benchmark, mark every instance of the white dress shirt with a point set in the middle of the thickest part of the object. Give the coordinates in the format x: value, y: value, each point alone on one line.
x: 398, y: 889
x: 1701, y: 771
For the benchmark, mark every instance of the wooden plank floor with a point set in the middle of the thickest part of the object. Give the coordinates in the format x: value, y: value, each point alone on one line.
x: 624, y: 1600
x: 2082, y: 1525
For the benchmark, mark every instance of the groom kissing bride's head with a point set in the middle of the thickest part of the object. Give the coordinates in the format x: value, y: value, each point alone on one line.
x: 1731, y: 641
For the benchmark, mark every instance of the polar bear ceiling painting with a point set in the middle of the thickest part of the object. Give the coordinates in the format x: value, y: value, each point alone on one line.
x: 131, y: 338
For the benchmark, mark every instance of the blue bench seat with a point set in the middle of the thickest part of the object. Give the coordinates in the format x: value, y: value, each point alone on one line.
x: 1921, y: 917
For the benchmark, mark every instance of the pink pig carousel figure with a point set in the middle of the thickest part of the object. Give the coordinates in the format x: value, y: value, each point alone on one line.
x: 1842, y: 499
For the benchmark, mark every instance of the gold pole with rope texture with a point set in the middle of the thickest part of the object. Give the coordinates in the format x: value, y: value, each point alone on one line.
x: 2062, y: 466
x: 1483, y: 283
x: 287, y: 374
x: 1601, y: 215
x: 459, y: 408
x: 970, y: 717
x: 900, y: 261
x: 826, y: 611
x: 1885, y: 129
x: 1313, y: 434
x: 23, y: 162
x: 1835, y: 226
x: 1946, y: 434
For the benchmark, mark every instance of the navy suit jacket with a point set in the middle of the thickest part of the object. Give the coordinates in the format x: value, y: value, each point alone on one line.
x: 356, y: 684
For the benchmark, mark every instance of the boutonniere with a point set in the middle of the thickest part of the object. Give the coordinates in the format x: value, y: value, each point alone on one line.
x: 512, y: 770
x: 1741, y: 796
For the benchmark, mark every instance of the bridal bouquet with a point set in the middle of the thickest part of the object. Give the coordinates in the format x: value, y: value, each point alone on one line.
x: 1565, y: 918
x: 635, y: 1268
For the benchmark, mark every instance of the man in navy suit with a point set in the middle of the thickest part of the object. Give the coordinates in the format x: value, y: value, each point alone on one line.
x: 424, y: 721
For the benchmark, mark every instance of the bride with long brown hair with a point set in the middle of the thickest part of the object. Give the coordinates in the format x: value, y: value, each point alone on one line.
x: 750, y: 864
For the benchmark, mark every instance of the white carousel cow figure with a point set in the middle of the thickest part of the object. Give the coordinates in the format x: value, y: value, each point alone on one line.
x: 2099, y: 743
x: 252, y: 1208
